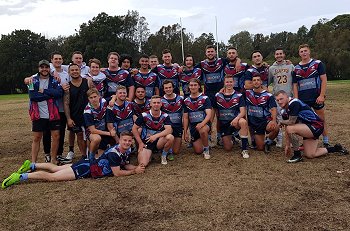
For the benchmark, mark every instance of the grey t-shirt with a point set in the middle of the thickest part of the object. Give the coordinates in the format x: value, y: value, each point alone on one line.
x: 43, y: 108
x: 280, y: 75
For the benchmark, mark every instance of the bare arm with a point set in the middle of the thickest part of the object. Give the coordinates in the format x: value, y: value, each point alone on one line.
x: 130, y: 170
x: 66, y: 100
x: 322, y: 96
x: 93, y: 130
x: 131, y: 93
x: 295, y: 90
x: 185, y: 124
x: 290, y: 121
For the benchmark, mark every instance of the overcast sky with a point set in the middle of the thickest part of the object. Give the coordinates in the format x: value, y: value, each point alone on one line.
x: 63, y: 17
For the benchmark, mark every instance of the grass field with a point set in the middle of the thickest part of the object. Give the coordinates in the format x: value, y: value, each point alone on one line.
x: 190, y: 193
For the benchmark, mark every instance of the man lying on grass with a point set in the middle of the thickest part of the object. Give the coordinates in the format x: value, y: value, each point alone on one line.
x: 113, y: 162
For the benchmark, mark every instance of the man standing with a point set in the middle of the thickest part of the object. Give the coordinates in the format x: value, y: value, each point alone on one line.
x: 189, y: 72
x: 167, y: 70
x: 259, y: 68
x: 140, y: 103
x: 43, y: 110
x: 172, y: 104
x: 310, y: 83
x: 75, y: 101
x: 153, y: 61
x: 302, y: 121
x: 231, y: 115
x: 146, y: 78
x: 116, y: 76
x: 155, y: 134
x: 197, y: 114
x: 280, y: 76
x: 97, y: 77
x: 262, y: 113
x: 113, y: 162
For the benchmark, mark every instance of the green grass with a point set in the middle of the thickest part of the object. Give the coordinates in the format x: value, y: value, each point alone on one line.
x: 14, y: 97
x: 334, y: 82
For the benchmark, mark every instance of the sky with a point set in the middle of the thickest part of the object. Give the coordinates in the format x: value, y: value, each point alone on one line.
x: 63, y: 17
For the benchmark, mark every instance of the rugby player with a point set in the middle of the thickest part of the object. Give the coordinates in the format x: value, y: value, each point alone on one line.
x: 189, y: 72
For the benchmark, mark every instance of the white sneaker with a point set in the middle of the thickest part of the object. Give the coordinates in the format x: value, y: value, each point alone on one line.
x: 245, y: 154
x: 206, y: 155
x: 279, y: 144
x: 70, y: 155
x: 164, y: 161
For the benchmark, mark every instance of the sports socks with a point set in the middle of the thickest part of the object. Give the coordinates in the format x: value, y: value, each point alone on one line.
x: 164, y: 153
x: 23, y: 177
x: 325, y: 139
x: 206, y: 148
x: 244, y: 142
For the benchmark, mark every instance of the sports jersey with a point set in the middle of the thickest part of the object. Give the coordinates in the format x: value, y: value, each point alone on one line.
x: 304, y: 113
x: 99, y: 82
x: 152, y: 125
x: 167, y: 72
x: 149, y: 81
x: 140, y: 108
x: 115, y: 78
x: 238, y: 76
x: 280, y: 75
x: 258, y: 106
x: 174, y: 108
x: 308, y: 79
x: 121, y: 116
x: 213, y: 74
x: 96, y: 116
x: 185, y: 76
x: 262, y: 71
x: 228, y: 106
x: 195, y: 107
x: 112, y: 157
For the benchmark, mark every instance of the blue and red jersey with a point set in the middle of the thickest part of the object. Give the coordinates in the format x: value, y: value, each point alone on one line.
x: 167, y: 72
x: 141, y: 108
x: 115, y: 78
x: 121, y: 116
x: 149, y: 81
x: 96, y: 116
x: 185, y: 76
x: 228, y: 106
x: 259, y: 106
x: 262, y: 71
x: 174, y: 108
x: 213, y: 74
x: 99, y: 82
x: 152, y: 125
x: 238, y: 76
x: 308, y: 79
x: 195, y: 107
x: 304, y: 113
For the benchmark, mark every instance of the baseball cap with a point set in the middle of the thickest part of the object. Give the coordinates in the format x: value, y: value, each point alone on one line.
x: 44, y: 62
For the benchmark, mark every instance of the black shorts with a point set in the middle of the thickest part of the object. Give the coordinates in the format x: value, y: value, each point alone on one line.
x: 177, y: 132
x: 76, y: 129
x: 105, y: 140
x: 81, y: 169
x: 194, y: 133
x: 259, y: 129
x: 211, y: 96
x: 42, y: 125
x: 227, y: 129
x: 315, y: 105
x: 151, y: 146
x: 317, y: 132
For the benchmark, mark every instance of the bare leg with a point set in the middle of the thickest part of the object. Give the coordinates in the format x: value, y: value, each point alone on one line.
x: 81, y: 143
x: 177, y: 145
x: 64, y: 174
x: 95, y: 140
x: 227, y: 142
x: 203, y: 132
x: 198, y: 146
x: 260, y: 142
x: 144, y: 156
x: 36, y: 145
x: 55, y: 142
x: 322, y: 115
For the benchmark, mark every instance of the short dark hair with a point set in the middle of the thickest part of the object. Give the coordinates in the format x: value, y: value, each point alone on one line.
x: 305, y: 45
x: 153, y: 57
x: 92, y: 91
x: 125, y: 56
x: 209, y: 46
x: 55, y: 53
x: 279, y: 49
x: 140, y: 86
x: 255, y: 51
x: 189, y: 55
x: 195, y: 80
x: 126, y: 133
x: 167, y: 81
x: 113, y: 53
x: 94, y: 60
x: 231, y: 48
x: 144, y: 56
x: 165, y: 51
x: 77, y: 53
x: 73, y: 64
x: 228, y: 77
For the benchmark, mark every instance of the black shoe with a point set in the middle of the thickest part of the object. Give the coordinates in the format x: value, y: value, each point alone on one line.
x: 326, y: 145
x: 339, y: 148
x: 47, y: 158
x: 62, y: 160
x: 295, y: 158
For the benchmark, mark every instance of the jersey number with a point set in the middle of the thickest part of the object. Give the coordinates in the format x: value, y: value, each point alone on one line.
x: 282, y: 79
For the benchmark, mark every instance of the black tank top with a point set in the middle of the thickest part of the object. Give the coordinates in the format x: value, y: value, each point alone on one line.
x: 78, y: 101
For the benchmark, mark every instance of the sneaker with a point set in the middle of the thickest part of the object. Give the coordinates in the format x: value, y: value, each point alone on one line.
x: 47, y: 158
x: 25, y: 167
x: 63, y: 160
x: 339, y: 148
x: 171, y: 157
x: 163, y: 160
x: 245, y: 154
x: 206, y: 155
x: 295, y: 159
x: 70, y: 155
x: 279, y: 144
x: 326, y: 145
x: 14, y: 178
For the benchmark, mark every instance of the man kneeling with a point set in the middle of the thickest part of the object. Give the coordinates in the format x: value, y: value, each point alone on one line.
x: 113, y: 162
x: 302, y: 121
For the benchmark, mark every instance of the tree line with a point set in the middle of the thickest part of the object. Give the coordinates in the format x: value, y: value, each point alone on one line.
x: 21, y: 50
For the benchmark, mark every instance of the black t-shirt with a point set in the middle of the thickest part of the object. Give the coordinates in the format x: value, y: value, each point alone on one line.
x: 78, y: 101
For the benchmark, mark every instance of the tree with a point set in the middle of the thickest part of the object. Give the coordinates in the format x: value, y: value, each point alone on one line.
x: 243, y: 42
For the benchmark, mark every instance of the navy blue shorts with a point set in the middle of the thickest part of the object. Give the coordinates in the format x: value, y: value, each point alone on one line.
x: 151, y: 146
x: 211, y: 96
x: 194, y: 133
x: 259, y: 129
x: 315, y: 105
x: 317, y: 132
x: 177, y: 132
x: 227, y: 129
x: 81, y: 169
